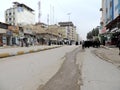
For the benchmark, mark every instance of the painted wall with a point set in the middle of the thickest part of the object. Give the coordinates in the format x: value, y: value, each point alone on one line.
x: 116, y: 8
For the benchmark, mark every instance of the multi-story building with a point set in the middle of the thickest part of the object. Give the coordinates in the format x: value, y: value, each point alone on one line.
x: 70, y: 30
x: 110, y: 21
x: 102, y: 20
x: 110, y: 13
x: 19, y: 14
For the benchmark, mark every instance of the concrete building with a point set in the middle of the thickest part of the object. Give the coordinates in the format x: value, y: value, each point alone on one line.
x: 46, y: 33
x: 110, y: 13
x: 8, y: 34
x: 110, y: 25
x: 19, y: 14
x: 3, y: 33
x: 102, y: 20
x: 70, y: 30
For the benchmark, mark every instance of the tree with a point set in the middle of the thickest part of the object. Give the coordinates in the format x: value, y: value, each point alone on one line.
x: 89, y: 35
x: 95, y: 31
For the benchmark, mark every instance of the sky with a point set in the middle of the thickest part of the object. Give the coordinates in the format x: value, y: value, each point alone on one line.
x: 84, y: 14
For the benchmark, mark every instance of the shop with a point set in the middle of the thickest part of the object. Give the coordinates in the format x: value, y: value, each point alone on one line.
x: 14, y: 34
x: 2, y: 37
x: 3, y: 34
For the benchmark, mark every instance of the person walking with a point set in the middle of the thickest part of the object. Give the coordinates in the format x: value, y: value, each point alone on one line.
x: 83, y: 44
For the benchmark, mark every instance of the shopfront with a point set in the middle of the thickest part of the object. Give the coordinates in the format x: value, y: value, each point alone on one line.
x: 2, y: 36
x: 14, y: 35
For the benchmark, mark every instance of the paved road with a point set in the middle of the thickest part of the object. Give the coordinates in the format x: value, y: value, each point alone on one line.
x: 98, y: 74
x: 81, y: 70
x: 28, y: 72
x: 67, y: 78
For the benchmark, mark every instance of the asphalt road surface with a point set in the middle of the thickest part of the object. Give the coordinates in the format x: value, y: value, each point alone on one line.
x: 67, y: 78
x: 29, y: 71
x: 98, y: 74
x: 83, y: 70
x: 64, y: 68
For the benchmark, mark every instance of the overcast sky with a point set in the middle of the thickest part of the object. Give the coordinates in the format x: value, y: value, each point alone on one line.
x: 84, y: 14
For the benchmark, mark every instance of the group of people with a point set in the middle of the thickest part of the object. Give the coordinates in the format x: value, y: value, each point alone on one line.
x: 95, y: 43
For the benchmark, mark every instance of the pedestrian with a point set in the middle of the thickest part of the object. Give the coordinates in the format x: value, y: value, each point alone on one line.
x: 118, y: 43
x: 83, y: 44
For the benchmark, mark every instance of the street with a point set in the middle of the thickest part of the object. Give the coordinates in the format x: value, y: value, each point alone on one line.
x: 27, y: 72
x: 98, y: 74
x: 63, y: 68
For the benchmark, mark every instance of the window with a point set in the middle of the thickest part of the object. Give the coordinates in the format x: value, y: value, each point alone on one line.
x: 13, y: 13
x: 9, y: 13
x: 9, y: 19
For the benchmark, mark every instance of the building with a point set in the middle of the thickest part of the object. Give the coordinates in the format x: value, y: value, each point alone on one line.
x: 110, y: 21
x: 70, y: 30
x: 19, y: 14
x: 3, y: 33
x: 20, y: 17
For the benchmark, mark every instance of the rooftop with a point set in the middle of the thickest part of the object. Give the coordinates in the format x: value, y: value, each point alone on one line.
x: 22, y: 5
x: 63, y: 24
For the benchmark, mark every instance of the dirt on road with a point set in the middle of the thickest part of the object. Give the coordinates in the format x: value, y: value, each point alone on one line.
x: 68, y: 76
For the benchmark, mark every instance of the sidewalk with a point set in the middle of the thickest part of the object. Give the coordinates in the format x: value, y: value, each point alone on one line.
x: 109, y: 54
x: 13, y: 51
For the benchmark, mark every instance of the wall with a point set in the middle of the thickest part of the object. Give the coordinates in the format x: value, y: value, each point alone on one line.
x: 25, y: 17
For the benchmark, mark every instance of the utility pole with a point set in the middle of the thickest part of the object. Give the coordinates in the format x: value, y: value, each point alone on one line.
x: 39, y: 11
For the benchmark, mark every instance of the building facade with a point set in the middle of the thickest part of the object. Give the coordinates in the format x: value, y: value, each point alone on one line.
x: 110, y: 21
x: 70, y: 30
x: 19, y: 14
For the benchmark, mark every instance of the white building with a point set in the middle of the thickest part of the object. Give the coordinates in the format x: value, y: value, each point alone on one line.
x: 20, y: 15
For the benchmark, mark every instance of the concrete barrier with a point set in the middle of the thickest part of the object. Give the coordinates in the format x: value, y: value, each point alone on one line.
x: 3, y: 55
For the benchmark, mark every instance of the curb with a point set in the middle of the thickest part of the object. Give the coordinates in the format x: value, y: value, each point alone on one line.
x: 104, y: 47
x: 4, y: 55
